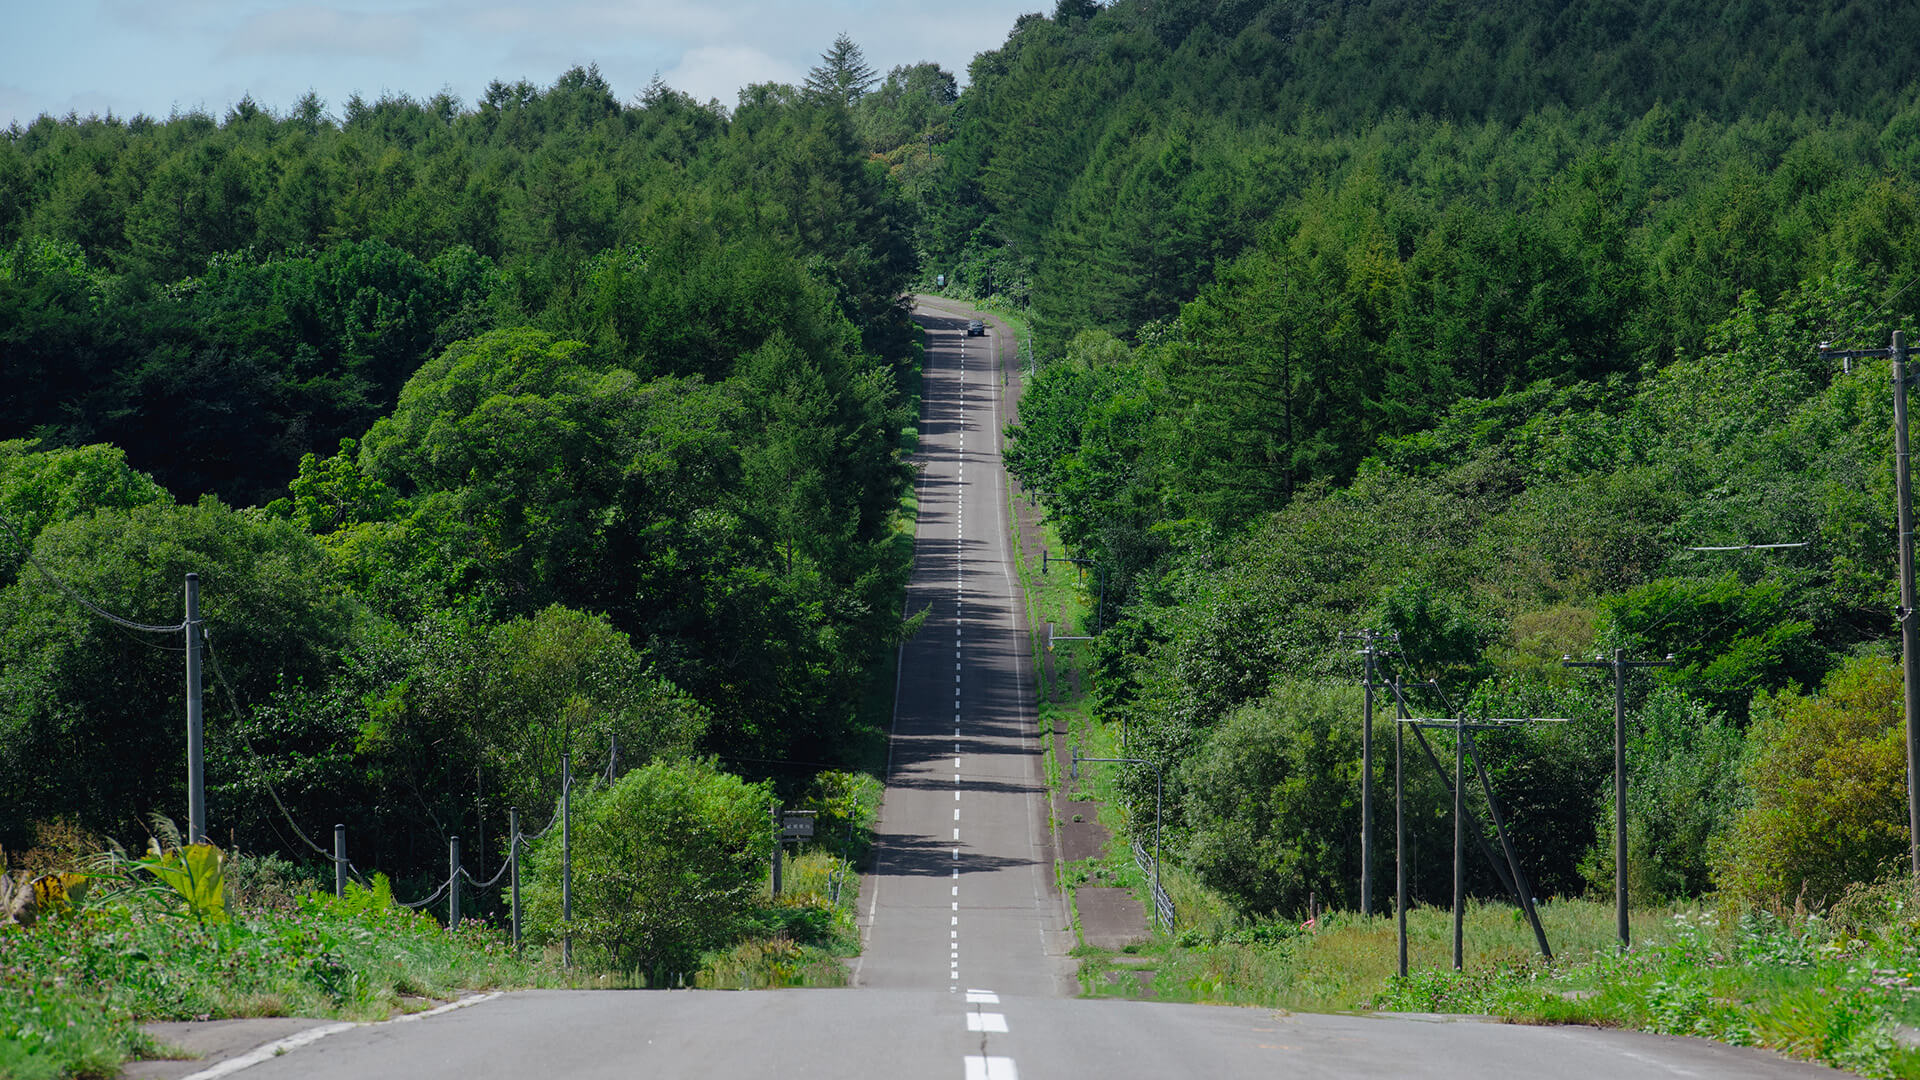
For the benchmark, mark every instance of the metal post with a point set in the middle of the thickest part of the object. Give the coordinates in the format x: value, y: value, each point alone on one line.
x: 1399, y: 831
x: 1459, y: 843
x: 1366, y: 790
x: 566, y: 863
x: 1158, y: 804
x: 773, y: 811
x: 1909, y: 627
x: 339, y: 861
x: 453, y: 882
x: 479, y: 825
x: 1620, y: 799
x: 196, y: 765
x: 513, y: 872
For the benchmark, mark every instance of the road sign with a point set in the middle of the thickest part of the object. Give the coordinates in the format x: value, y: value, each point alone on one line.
x: 796, y: 825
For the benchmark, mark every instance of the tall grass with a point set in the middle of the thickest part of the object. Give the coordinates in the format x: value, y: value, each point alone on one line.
x: 798, y: 939
x: 75, y: 987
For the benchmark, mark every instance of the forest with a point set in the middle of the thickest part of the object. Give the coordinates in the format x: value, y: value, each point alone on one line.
x: 553, y: 422
x: 547, y: 426
x: 1471, y: 328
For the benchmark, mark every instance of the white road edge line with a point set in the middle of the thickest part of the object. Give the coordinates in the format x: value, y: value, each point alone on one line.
x: 314, y: 1034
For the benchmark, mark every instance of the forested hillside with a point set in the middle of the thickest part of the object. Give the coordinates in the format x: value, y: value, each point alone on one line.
x: 494, y: 432
x: 1469, y: 324
x: 552, y: 419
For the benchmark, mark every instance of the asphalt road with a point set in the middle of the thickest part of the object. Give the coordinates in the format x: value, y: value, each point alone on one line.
x: 964, y: 973
x: 961, y: 890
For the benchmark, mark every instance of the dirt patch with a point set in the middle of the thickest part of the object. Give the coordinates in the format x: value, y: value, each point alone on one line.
x: 1110, y: 918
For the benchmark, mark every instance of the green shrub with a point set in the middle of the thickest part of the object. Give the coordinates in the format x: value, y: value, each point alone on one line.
x: 666, y: 864
x: 1272, y: 796
x: 1827, y: 775
x: 1683, y: 790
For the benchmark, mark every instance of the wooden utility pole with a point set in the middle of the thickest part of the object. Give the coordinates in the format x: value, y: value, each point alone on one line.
x: 1370, y: 654
x: 1619, y: 665
x: 196, y: 759
x: 1909, y: 628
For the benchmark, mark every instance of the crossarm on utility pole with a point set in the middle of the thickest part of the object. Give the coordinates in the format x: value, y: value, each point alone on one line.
x: 1479, y: 836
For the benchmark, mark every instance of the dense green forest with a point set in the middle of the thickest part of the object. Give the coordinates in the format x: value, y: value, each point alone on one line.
x: 494, y: 433
x: 503, y: 430
x: 1468, y: 325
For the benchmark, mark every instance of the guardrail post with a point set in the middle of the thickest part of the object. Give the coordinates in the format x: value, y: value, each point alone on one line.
x: 339, y: 861
x: 453, y: 882
x: 513, y: 857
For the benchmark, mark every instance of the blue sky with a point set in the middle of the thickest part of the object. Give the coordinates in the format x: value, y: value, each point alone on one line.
x: 161, y: 56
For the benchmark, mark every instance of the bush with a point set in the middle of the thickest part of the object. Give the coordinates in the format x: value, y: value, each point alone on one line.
x: 1829, y: 790
x: 1272, y: 799
x: 666, y: 864
x: 1683, y: 790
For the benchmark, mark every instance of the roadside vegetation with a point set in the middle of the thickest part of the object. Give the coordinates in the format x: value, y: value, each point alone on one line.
x: 91, y: 952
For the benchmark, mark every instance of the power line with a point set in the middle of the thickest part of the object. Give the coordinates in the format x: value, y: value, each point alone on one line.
x: 52, y: 579
x: 233, y: 701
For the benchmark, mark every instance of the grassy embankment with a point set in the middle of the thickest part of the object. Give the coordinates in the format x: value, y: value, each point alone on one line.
x: 75, y: 987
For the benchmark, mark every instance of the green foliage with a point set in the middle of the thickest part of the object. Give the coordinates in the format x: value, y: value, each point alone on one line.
x: 842, y: 76
x: 1684, y: 791
x: 665, y: 866
x: 1827, y: 777
x: 220, y: 300
x: 442, y: 713
x: 1728, y: 641
x: 90, y: 725
x: 739, y: 530
x: 194, y: 873
x: 1269, y: 798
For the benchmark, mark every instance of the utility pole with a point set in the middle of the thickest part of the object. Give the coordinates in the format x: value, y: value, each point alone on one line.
x: 1909, y: 628
x: 453, y: 882
x: 566, y: 856
x: 1513, y: 877
x: 1619, y: 665
x: 339, y: 861
x: 196, y: 764
x: 1459, y: 843
x: 513, y: 855
x: 1399, y: 828
x: 1369, y: 653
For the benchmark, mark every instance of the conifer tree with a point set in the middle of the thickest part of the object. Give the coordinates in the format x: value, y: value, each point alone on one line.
x: 843, y: 74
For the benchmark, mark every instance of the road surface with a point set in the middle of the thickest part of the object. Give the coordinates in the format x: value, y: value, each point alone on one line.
x: 961, y: 890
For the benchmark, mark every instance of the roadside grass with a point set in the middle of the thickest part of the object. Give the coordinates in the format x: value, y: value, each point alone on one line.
x: 801, y: 938
x: 75, y: 987
x: 1842, y: 989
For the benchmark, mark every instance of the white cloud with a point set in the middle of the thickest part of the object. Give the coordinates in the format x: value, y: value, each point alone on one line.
x: 719, y: 71
x: 324, y: 31
x: 594, y: 23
